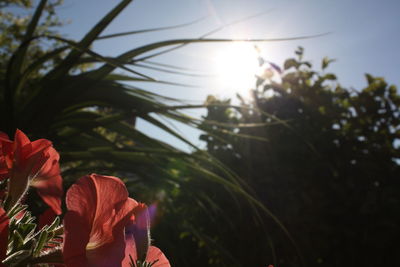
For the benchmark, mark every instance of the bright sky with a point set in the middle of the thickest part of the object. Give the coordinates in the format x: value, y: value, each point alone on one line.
x: 364, y: 38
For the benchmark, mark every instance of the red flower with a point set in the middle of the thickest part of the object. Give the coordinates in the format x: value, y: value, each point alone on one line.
x: 4, y: 221
x: 99, y: 213
x: 31, y: 163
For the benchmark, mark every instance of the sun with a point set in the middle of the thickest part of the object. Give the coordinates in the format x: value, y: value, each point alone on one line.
x: 236, y: 65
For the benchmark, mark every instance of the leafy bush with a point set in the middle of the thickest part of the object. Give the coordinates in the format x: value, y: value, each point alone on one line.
x: 327, y: 164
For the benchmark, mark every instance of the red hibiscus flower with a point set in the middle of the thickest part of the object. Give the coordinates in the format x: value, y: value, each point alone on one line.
x: 4, y: 221
x: 98, y: 225
x: 31, y: 163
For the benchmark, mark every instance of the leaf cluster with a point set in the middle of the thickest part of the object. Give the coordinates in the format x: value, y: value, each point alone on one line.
x: 27, y: 244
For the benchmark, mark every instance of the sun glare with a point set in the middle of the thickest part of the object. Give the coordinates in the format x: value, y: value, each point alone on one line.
x: 236, y: 66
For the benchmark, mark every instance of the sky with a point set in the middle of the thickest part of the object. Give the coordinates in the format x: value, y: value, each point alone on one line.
x: 363, y: 36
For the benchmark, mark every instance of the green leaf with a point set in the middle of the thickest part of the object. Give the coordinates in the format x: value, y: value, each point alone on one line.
x: 17, y: 61
x: 63, y: 69
x: 17, y: 257
x: 17, y: 240
x: 40, y: 242
x: 26, y: 229
x: 148, y: 30
x: 16, y: 64
x: 54, y: 224
x: 329, y: 76
x: 299, y: 52
x: 370, y: 78
x: 326, y: 61
x: 289, y: 63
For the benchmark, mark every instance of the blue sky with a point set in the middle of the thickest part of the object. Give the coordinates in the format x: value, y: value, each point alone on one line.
x: 364, y: 37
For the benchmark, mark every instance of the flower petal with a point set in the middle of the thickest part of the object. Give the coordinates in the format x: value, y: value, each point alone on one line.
x: 130, y: 250
x: 46, y: 218
x: 3, y: 136
x: 81, y: 204
x: 26, y: 152
x: 155, y: 254
x: 140, y: 229
x: 48, y: 181
x: 28, y: 159
x: 98, y: 210
x: 50, y: 190
x: 21, y: 175
x: 20, y: 138
x: 6, y: 151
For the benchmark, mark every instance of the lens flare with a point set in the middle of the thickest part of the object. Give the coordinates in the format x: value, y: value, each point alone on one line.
x: 236, y: 67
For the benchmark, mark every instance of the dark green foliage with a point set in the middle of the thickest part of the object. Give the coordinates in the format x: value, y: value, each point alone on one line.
x: 328, y: 171
x: 89, y: 114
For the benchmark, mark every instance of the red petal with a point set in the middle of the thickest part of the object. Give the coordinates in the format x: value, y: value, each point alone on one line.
x: 81, y: 204
x: 37, y: 146
x: 46, y: 218
x: 108, y: 255
x: 26, y: 151
x: 154, y: 254
x: 21, y: 175
x: 21, y: 147
x: 4, y: 221
x: 4, y: 137
x: 50, y: 190
x: 140, y: 229
x: 98, y: 210
x: 51, y: 167
x: 20, y: 138
x: 112, y: 208
x: 6, y: 155
x: 28, y: 160
x: 130, y: 250
x: 48, y: 182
